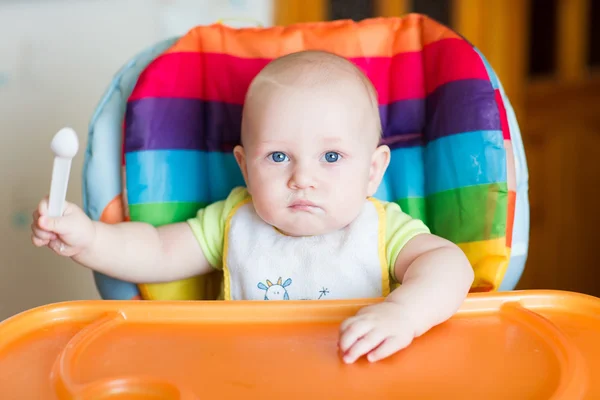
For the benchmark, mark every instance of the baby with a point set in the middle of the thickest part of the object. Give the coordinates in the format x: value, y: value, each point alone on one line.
x: 305, y: 226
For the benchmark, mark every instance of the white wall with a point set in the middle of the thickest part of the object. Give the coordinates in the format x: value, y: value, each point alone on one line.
x: 56, y: 59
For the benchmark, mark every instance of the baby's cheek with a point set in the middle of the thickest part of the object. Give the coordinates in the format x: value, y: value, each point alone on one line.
x: 349, y: 206
x: 265, y: 210
x: 352, y: 176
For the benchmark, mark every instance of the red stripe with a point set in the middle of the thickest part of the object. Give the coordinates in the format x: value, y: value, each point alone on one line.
x: 503, y: 118
x: 224, y: 78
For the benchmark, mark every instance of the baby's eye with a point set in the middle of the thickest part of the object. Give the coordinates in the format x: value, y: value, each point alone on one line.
x: 332, y: 156
x: 278, y: 157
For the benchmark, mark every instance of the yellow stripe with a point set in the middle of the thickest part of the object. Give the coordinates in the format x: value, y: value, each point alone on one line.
x: 226, y: 274
x: 385, y: 272
x: 489, y: 259
x: 145, y: 292
x: 193, y: 288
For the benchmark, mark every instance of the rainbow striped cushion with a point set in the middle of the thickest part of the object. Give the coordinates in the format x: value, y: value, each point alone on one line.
x: 442, y: 112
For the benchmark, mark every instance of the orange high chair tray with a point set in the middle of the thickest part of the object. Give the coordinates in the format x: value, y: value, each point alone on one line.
x: 516, y: 345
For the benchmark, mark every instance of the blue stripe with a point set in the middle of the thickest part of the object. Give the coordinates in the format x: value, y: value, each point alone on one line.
x: 197, y: 176
x: 513, y: 273
x: 110, y: 288
x: 155, y: 176
x: 405, y: 175
x: 466, y: 159
x: 491, y: 74
x: 189, y: 175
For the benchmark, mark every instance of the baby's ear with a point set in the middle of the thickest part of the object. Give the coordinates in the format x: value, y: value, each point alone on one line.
x: 240, y: 157
x: 379, y: 163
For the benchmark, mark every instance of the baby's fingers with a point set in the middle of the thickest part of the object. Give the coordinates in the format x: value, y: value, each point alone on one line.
x: 352, y: 331
x: 38, y: 242
x: 41, y: 233
x: 389, y: 346
x: 364, y: 345
x: 42, y: 208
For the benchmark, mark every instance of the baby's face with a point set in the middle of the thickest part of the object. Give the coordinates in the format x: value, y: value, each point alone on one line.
x: 310, y: 159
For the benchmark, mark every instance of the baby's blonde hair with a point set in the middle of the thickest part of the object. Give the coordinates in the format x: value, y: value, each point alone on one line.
x: 314, y: 68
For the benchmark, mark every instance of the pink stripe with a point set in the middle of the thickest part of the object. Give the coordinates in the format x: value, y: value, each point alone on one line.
x: 211, y: 77
x: 388, y: 75
x: 503, y: 118
x: 225, y: 78
x: 451, y: 60
x: 219, y: 77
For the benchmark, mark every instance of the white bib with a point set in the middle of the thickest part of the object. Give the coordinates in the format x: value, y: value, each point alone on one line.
x: 261, y: 263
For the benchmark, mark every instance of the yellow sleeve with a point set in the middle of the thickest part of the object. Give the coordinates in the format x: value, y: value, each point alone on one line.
x: 400, y: 228
x: 208, y: 225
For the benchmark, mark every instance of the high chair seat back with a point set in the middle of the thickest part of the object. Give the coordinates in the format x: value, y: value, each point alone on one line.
x: 160, y: 144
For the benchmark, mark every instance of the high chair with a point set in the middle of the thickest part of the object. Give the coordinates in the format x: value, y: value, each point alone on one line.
x: 161, y: 139
x: 160, y: 148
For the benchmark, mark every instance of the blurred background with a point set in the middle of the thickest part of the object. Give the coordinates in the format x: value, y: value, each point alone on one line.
x: 58, y: 56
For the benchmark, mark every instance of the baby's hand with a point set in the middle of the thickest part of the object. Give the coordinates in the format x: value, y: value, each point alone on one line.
x: 379, y: 330
x: 67, y: 235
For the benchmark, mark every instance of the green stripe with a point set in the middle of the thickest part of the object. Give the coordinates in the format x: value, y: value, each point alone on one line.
x: 415, y: 207
x: 164, y: 213
x: 470, y: 213
x: 461, y: 215
x: 158, y: 214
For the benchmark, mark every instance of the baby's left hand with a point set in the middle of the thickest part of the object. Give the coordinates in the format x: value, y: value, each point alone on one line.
x: 380, y: 330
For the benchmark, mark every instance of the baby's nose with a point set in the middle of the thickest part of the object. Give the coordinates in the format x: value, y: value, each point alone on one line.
x: 302, y: 178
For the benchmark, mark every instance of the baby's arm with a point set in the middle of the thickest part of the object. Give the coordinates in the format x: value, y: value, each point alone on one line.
x: 132, y: 251
x: 436, y: 277
x: 140, y: 253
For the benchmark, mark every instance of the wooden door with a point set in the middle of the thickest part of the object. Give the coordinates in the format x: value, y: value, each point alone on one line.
x: 561, y: 135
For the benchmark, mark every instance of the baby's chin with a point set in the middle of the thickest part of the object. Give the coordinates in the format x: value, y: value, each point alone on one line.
x: 300, y: 232
x: 306, y: 228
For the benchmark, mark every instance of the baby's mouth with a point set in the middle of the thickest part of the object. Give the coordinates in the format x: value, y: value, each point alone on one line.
x: 304, y: 205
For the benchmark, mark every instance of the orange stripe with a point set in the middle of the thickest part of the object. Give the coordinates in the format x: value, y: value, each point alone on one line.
x: 113, y: 212
x: 511, y: 179
x: 482, y: 288
x: 376, y: 37
x: 510, y: 216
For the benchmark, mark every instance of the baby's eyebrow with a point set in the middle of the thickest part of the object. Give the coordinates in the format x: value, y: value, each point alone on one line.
x: 332, y: 139
x: 271, y: 143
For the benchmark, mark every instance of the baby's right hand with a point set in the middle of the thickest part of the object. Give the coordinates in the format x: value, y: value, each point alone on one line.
x: 68, y: 235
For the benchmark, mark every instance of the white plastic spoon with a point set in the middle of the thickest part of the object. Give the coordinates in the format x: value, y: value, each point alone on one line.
x: 65, y: 146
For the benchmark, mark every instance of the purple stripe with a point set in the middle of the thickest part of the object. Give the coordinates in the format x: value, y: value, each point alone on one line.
x: 174, y: 123
x: 191, y: 124
x: 402, y: 123
x: 461, y: 106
